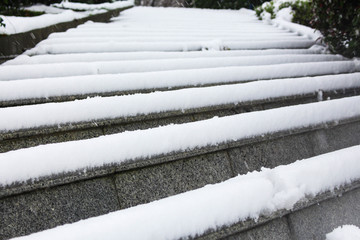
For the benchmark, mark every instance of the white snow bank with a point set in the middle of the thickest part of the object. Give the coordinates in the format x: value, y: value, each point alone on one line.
x: 284, y: 18
x: 44, y: 8
x: 223, y: 204
x: 24, y: 24
x: 17, y: 72
x: 31, y: 163
x: 15, y: 118
x: 345, y: 232
x: 300, y: 29
x: 123, y: 56
x: 47, y: 87
x: 166, y: 46
x: 87, y: 7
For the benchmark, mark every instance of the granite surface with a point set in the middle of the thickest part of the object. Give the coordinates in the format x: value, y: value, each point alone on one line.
x: 47, y: 208
x: 152, y: 183
x: 316, y: 221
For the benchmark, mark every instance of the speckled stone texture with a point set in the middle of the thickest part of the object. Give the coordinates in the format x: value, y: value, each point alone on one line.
x: 287, y: 149
x: 156, y: 182
x: 276, y: 229
x: 45, y: 138
x: 43, y: 209
x: 318, y: 220
x: 271, y: 153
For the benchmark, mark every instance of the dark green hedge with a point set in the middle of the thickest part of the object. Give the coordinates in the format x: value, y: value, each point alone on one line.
x: 225, y: 4
x: 339, y: 22
x: 91, y: 1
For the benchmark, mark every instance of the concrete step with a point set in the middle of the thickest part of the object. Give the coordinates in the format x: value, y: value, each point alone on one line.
x: 236, y: 209
x: 98, y: 190
x: 57, y: 89
x: 21, y: 128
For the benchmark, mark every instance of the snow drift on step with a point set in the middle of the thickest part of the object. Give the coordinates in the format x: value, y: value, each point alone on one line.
x: 114, y: 67
x: 22, y: 165
x: 214, y: 206
x: 122, y: 56
x: 53, y: 114
x: 79, y: 85
x: 166, y: 46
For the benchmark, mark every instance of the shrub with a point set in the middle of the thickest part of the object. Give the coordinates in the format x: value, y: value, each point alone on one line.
x: 225, y: 4
x: 269, y: 8
x: 92, y: 1
x: 2, y: 24
x: 339, y: 22
x: 302, y: 12
x: 14, y: 7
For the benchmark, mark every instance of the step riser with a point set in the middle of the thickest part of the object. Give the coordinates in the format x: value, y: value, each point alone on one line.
x: 78, y: 131
x: 311, y: 220
x: 56, y: 199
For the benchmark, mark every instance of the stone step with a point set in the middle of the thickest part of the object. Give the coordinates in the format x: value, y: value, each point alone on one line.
x: 245, y: 207
x: 60, y: 122
x: 67, y: 197
x: 40, y: 90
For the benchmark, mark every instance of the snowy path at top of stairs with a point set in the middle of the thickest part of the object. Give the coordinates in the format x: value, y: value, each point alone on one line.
x: 141, y: 29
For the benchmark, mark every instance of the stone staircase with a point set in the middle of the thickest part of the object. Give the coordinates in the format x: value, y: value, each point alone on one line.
x: 261, y: 102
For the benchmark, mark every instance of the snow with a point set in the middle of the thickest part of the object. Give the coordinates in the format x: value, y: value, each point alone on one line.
x: 166, y: 46
x: 30, y: 163
x: 213, y: 206
x: 123, y: 56
x: 57, y: 86
x: 87, y: 7
x: 51, y: 17
x: 24, y: 24
x: 77, y: 69
x: 283, y: 21
x: 160, y: 29
x: 15, y: 118
x: 345, y: 232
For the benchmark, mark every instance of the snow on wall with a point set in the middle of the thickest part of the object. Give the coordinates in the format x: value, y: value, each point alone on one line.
x: 51, y: 17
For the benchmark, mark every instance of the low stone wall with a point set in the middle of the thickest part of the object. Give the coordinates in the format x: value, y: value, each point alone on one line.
x: 15, y: 44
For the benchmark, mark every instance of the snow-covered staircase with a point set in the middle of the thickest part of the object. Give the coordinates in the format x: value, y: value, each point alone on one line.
x: 255, y: 96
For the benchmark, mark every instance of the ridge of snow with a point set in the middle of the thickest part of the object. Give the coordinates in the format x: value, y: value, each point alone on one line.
x: 123, y: 56
x: 213, y: 206
x: 15, y: 118
x: 48, y: 87
x: 87, y: 7
x: 24, y: 164
x: 166, y: 46
x: 18, y: 72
